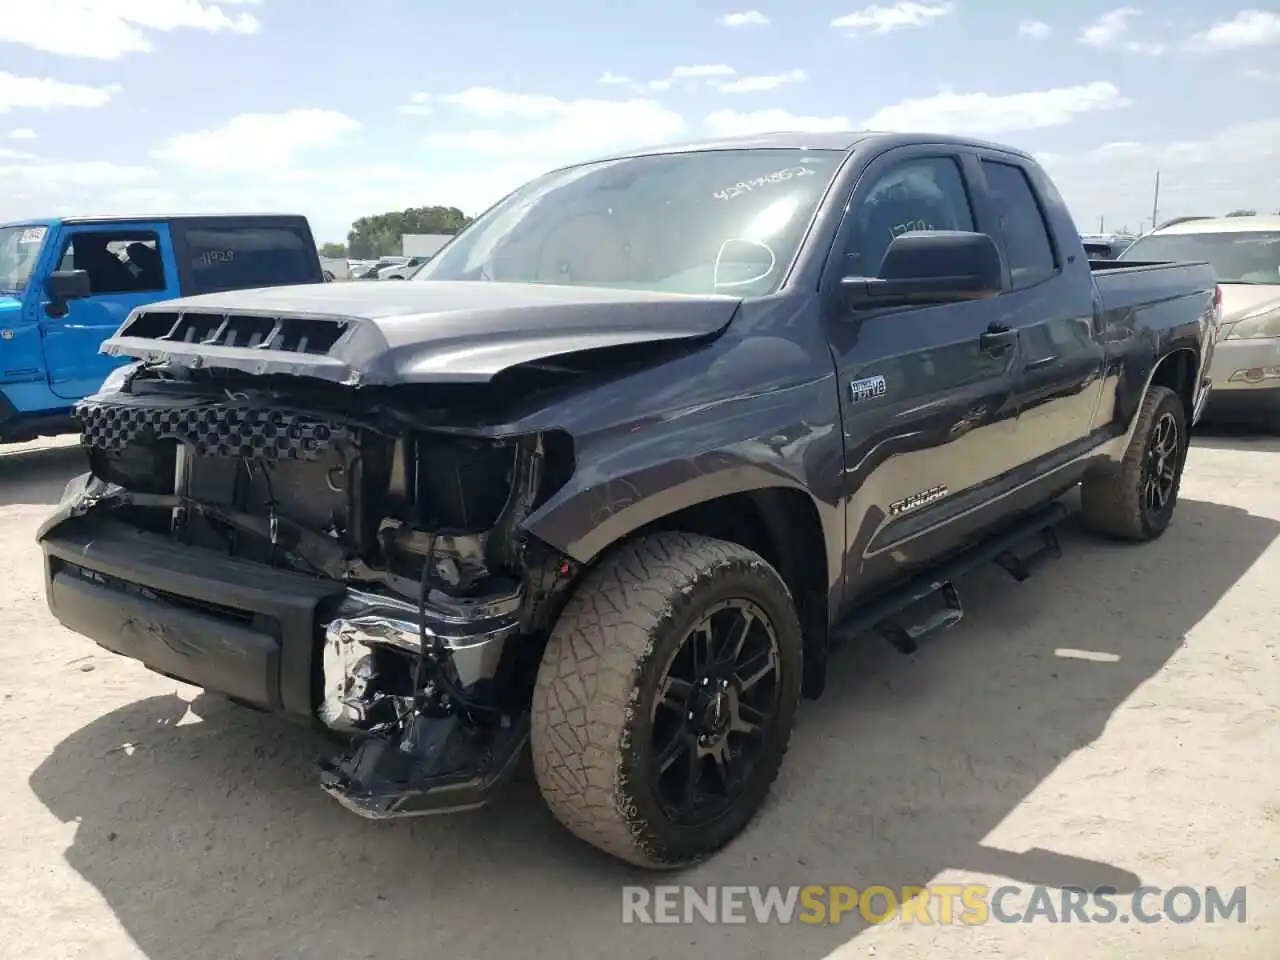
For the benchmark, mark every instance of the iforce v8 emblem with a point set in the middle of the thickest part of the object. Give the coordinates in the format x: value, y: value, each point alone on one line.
x: 868, y: 388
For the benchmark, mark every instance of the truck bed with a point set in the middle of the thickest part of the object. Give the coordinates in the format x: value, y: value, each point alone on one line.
x: 1131, y: 284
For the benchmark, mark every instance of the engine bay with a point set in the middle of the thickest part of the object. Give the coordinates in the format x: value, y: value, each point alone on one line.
x: 422, y: 526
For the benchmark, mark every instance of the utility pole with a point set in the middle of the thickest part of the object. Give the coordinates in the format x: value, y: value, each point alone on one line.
x: 1101, y: 224
x: 1155, y: 203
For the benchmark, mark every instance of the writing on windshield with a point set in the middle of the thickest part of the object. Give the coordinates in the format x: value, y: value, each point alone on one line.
x: 1236, y: 257
x: 19, y: 250
x: 697, y: 222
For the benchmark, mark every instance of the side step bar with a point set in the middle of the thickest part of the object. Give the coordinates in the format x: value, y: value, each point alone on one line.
x: 891, y: 614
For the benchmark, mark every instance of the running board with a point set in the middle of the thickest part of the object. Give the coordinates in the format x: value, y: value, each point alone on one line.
x: 905, y: 614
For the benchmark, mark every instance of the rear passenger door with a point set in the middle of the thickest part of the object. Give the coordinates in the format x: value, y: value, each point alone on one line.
x: 928, y: 405
x: 1051, y: 305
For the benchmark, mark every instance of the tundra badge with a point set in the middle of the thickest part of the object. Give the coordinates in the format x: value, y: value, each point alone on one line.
x: 917, y: 500
x: 868, y: 388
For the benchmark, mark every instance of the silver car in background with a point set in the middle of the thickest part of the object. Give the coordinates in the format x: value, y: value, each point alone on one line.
x: 1245, y: 254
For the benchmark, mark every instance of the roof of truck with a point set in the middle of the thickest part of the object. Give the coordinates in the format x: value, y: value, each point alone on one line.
x: 842, y: 140
x: 143, y: 217
x: 1222, y: 225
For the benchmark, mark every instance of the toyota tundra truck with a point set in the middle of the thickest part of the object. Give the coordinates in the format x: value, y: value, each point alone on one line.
x: 610, y: 477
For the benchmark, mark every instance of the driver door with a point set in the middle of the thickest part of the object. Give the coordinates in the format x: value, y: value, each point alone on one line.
x: 73, y: 364
x: 927, y: 395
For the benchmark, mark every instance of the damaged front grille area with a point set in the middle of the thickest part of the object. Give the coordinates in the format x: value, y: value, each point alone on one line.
x: 307, y: 335
x: 211, y: 430
x: 432, y: 600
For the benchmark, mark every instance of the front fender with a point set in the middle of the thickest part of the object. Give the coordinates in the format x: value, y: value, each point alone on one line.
x: 624, y: 482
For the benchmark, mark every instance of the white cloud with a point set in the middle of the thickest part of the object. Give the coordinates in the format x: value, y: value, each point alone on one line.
x: 878, y: 20
x: 1109, y: 32
x: 22, y: 133
x: 1248, y: 28
x: 761, y: 83
x: 734, y: 123
x: 747, y: 18
x: 41, y: 93
x: 257, y: 141
x: 418, y: 106
x: 554, y: 127
x: 51, y: 177
x: 1035, y: 29
x: 1232, y: 168
x: 980, y: 114
x: 106, y: 31
x: 684, y: 76
x: 1260, y: 75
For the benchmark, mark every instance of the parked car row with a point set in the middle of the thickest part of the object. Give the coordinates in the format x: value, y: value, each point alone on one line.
x: 385, y: 268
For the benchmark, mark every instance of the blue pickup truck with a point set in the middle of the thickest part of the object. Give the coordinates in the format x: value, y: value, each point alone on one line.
x: 68, y: 284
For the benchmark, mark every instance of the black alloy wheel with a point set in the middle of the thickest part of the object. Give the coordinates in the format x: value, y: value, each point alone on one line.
x: 717, y: 700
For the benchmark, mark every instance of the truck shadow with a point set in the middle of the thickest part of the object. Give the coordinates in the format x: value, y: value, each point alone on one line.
x: 208, y: 837
x: 37, y: 474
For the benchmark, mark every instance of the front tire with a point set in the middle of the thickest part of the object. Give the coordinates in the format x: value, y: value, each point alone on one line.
x: 1135, y: 499
x: 665, y: 698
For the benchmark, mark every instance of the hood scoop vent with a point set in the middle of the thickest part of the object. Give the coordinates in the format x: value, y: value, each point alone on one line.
x: 314, y: 336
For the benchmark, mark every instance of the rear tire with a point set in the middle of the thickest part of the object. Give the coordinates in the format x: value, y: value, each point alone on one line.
x: 623, y: 722
x: 1135, y: 499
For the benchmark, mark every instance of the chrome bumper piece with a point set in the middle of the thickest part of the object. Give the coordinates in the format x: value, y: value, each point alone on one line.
x: 474, y: 633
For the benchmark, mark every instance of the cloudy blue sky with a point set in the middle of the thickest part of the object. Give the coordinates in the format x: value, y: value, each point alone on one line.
x: 338, y: 110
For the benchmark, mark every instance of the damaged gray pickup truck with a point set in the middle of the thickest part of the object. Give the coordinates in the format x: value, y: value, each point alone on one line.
x: 611, y: 476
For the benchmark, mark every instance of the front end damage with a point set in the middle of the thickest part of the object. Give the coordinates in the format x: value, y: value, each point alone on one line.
x: 357, y: 565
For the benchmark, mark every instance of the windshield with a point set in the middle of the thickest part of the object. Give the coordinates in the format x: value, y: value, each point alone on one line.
x: 715, y: 221
x: 1252, y: 257
x: 19, y: 249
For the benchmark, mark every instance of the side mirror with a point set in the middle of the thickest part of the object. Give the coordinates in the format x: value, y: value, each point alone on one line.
x: 64, y: 286
x: 921, y: 268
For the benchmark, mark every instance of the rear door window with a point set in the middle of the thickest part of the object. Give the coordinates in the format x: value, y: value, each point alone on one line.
x: 242, y: 257
x: 1026, y: 235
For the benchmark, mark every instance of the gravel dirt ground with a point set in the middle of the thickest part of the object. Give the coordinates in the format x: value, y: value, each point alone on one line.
x: 142, y: 819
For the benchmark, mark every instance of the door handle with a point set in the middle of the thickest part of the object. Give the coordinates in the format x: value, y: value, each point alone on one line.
x: 996, y: 341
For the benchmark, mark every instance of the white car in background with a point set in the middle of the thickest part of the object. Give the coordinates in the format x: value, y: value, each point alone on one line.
x: 1245, y: 254
x: 402, y: 271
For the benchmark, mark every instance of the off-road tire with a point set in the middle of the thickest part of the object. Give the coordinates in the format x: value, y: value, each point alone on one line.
x: 1112, y: 501
x: 592, y: 701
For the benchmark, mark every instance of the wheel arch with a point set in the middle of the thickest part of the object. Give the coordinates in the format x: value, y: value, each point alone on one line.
x: 783, y: 523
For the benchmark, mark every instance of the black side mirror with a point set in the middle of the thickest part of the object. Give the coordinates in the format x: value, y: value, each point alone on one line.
x: 921, y: 268
x: 64, y: 286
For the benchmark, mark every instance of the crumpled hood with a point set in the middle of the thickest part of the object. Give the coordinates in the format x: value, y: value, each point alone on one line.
x: 389, y: 332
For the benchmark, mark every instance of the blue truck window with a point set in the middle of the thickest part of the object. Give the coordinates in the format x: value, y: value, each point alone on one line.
x: 117, y: 261
x: 1026, y: 235
x: 223, y: 258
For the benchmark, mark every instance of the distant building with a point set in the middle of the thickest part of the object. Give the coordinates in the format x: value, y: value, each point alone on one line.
x: 423, y: 244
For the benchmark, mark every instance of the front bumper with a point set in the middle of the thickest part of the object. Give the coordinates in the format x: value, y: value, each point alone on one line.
x: 288, y: 643
x: 1245, y: 386
x: 227, y: 625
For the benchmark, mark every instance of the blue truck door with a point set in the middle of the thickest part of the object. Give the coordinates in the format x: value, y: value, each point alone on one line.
x: 129, y: 264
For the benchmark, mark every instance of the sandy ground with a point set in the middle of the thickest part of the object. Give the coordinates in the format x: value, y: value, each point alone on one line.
x: 141, y: 819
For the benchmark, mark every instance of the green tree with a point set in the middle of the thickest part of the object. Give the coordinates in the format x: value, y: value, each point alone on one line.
x: 1243, y: 213
x: 379, y: 236
x: 335, y: 250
